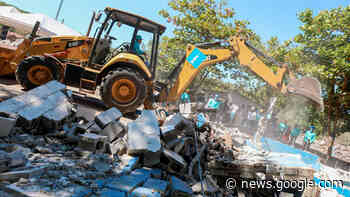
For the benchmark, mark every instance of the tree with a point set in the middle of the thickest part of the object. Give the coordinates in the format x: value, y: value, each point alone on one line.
x: 325, y: 39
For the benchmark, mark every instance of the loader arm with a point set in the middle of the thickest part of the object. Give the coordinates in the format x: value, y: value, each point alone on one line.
x: 199, y: 57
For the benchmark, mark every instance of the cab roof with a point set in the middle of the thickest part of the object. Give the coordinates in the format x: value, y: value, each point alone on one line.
x: 132, y: 19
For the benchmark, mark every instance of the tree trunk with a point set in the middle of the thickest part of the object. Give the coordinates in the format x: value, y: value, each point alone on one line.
x: 334, y: 134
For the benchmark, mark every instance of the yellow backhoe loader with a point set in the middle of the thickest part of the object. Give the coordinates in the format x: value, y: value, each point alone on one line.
x: 32, y: 45
x: 126, y: 81
x: 202, y: 55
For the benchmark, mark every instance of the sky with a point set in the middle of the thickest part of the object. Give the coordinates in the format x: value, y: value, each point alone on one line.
x: 267, y: 17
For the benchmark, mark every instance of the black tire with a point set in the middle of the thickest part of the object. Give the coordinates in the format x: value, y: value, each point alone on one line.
x: 28, y: 63
x: 123, y: 73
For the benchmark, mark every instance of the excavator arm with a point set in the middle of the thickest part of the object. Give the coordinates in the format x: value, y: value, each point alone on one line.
x: 199, y: 57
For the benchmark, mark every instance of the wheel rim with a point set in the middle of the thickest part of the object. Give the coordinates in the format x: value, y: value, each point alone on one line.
x: 39, y: 74
x: 124, y: 91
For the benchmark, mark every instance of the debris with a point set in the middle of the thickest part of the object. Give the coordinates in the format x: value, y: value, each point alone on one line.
x: 145, y: 192
x: 13, y: 175
x: 179, y: 187
x: 144, y: 139
x: 126, y: 183
x: 176, y: 162
x: 113, y: 130
x: 48, y: 101
x: 157, y: 185
x: 6, y: 125
x: 92, y: 142
x: 126, y: 165
x: 106, y: 117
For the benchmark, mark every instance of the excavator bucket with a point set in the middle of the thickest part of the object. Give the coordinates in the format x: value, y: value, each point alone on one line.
x: 307, y: 87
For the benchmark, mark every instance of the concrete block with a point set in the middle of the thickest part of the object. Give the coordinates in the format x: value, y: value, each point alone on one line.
x: 126, y: 183
x: 113, y: 130
x: 17, y: 159
x: 117, y: 147
x: 175, y: 158
x: 142, y: 172
x: 179, y: 187
x: 207, y: 187
x: 145, y: 192
x: 106, y: 192
x: 149, y: 116
x: 126, y: 165
x: 173, y: 119
x: 106, y: 117
x: 143, y: 137
x: 14, y: 175
x: 92, y: 142
x: 6, y: 125
x: 157, y: 185
x: 156, y: 173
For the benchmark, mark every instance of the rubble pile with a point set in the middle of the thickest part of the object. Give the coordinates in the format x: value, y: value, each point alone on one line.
x: 51, y: 152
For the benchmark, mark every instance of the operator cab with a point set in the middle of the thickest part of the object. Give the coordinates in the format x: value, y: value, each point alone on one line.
x: 102, y: 52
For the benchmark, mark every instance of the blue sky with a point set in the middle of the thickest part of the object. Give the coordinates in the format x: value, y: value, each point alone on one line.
x: 267, y: 17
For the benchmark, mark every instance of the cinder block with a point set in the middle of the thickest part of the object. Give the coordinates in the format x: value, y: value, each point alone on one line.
x: 145, y: 192
x: 113, y: 130
x: 149, y: 116
x: 106, y: 192
x: 6, y: 125
x: 93, y: 142
x: 126, y: 165
x: 142, y: 138
x: 157, y: 185
x: 106, y: 117
x: 175, y: 158
x: 126, y: 183
x: 179, y: 187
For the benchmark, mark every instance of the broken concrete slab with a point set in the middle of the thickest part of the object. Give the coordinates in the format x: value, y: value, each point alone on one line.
x: 35, y: 110
x: 54, y: 86
x: 6, y: 125
x: 117, y: 147
x: 175, y: 158
x: 92, y: 142
x: 126, y: 165
x: 14, y: 175
x: 106, y: 117
x: 145, y: 192
x: 48, y: 99
x: 207, y: 187
x: 17, y: 158
x: 158, y: 185
x: 126, y: 183
x: 113, y: 130
x: 4, y: 161
x: 143, y: 172
x: 106, y: 192
x: 179, y: 187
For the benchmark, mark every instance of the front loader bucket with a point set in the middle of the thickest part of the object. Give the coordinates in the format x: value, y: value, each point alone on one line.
x: 307, y: 87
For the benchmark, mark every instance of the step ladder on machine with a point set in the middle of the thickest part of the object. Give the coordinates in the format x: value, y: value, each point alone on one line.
x: 88, y: 81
